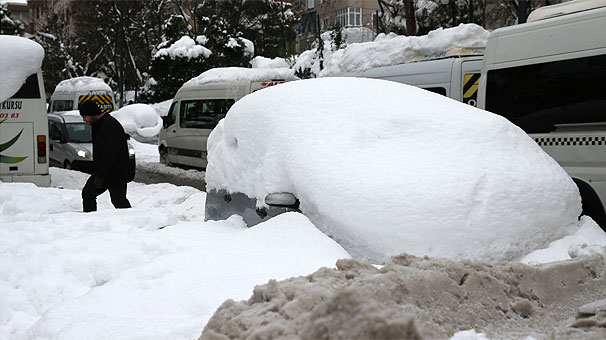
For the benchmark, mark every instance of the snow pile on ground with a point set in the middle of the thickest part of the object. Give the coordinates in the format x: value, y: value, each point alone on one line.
x: 421, y: 298
x: 140, y: 119
x: 19, y: 58
x: 82, y: 84
x: 226, y: 74
x: 394, y: 49
x: 185, y: 47
x: 153, y: 271
x: 572, y: 245
x: 383, y: 179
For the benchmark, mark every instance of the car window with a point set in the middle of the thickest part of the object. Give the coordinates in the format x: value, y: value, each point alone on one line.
x: 172, y: 114
x: 54, y: 131
x: 79, y: 132
x: 203, y: 113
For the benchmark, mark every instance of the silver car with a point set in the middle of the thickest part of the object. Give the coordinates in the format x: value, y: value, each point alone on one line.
x: 71, y: 143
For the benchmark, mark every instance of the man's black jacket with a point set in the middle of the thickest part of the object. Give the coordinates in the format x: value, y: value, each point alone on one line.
x: 110, y: 151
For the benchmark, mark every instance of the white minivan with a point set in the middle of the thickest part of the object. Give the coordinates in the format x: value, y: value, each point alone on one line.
x: 201, y: 103
x: 454, y: 73
x: 548, y: 77
x: 23, y: 121
x: 70, y: 93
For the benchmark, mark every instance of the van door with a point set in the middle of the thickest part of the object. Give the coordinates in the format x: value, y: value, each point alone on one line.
x: 470, y: 80
x: 198, y: 118
x: 172, y: 135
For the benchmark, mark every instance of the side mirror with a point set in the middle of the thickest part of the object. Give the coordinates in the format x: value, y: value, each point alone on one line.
x: 282, y: 199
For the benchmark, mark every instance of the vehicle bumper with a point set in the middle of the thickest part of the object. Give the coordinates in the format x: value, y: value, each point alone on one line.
x: 39, y: 180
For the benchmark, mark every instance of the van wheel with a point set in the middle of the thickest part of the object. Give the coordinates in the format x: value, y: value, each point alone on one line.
x: 592, y: 206
x: 67, y: 165
x: 164, y: 157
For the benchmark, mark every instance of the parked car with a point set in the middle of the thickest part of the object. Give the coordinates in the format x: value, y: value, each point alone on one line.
x: 71, y: 142
x: 378, y: 165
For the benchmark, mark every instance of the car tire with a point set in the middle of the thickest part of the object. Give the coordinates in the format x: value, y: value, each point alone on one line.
x: 164, y: 157
x: 67, y: 165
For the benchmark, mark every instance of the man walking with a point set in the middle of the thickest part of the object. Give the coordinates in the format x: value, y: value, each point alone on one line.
x: 112, y: 169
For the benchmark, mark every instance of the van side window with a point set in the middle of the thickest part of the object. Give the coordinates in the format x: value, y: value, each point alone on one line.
x: 29, y: 90
x: 171, y: 118
x: 203, y: 113
x: 62, y: 105
x: 538, y: 96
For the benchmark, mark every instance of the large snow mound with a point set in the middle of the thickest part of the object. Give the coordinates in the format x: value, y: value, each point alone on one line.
x: 19, y: 58
x: 394, y: 49
x: 140, y: 119
x: 80, y: 84
x: 226, y: 74
x: 386, y: 168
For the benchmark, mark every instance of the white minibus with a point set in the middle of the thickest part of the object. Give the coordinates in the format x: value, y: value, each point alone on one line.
x: 548, y: 77
x: 24, y: 134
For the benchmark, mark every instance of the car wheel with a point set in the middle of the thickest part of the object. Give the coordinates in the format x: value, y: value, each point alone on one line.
x: 67, y: 165
x: 164, y: 157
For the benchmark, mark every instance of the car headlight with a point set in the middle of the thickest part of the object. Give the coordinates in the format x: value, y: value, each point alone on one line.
x: 82, y: 153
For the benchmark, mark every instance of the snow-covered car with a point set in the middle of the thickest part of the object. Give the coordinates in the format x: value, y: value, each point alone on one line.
x: 385, y: 168
x: 71, y: 142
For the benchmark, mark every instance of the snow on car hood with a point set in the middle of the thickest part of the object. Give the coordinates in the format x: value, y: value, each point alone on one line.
x: 386, y: 168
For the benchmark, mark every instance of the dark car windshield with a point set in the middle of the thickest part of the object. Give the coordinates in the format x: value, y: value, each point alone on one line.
x: 79, y: 132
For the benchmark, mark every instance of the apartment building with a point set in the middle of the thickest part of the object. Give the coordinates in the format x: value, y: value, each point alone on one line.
x: 318, y: 16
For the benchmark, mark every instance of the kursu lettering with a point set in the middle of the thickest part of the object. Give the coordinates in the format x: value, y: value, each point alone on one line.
x: 12, y: 105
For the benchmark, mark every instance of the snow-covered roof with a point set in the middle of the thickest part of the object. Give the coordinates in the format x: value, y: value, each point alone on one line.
x: 227, y: 74
x: 365, y: 157
x: 80, y: 84
x: 394, y: 49
x: 19, y: 58
x: 564, y: 8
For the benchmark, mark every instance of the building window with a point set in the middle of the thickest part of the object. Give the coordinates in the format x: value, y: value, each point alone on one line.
x: 349, y: 16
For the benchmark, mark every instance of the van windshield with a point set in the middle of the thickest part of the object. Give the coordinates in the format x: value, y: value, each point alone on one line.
x: 79, y: 133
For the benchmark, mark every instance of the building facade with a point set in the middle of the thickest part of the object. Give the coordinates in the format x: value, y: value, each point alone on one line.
x: 318, y: 16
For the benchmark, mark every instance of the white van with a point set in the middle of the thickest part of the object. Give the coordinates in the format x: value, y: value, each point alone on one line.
x: 23, y: 121
x: 71, y: 92
x: 547, y: 76
x: 201, y: 103
x: 454, y: 73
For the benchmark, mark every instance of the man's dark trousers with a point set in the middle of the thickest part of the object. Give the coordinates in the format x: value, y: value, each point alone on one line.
x: 117, y: 193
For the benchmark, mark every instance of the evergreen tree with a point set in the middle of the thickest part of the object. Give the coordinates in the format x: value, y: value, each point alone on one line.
x: 9, y: 26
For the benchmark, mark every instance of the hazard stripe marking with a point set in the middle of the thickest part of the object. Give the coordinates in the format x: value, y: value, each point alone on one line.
x: 471, y: 81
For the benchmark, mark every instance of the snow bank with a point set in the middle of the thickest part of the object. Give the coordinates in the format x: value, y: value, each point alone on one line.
x: 140, y: 119
x: 572, y: 245
x: 185, y: 47
x: 417, y: 298
x: 393, y: 49
x: 155, y: 271
x: 82, y: 84
x: 19, y: 58
x: 433, y: 177
x: 225, y: 74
